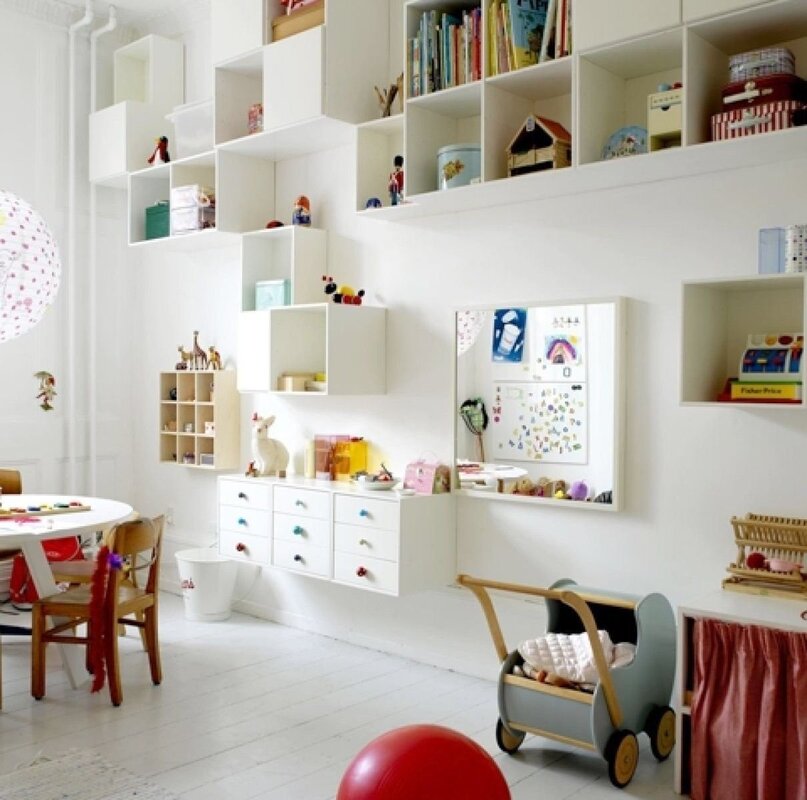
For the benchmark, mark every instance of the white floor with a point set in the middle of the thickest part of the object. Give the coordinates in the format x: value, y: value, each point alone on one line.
x: 249, y: 709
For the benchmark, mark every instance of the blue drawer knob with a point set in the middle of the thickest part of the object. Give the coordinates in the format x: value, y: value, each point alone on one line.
x: 364, y: 513
x: 242, y: 521
x: 298, y: 558
x: 298, y: 530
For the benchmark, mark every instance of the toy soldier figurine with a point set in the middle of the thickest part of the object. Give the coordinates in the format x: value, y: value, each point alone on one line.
x: 396, y: 182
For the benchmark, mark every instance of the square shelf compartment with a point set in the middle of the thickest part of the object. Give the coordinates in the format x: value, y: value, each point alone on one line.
x: 238, y: 86
x: 377, y: 144
x: 717, y: 318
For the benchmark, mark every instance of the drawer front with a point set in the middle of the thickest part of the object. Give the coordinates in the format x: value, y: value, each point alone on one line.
x: 366, y: 573
x: 302, y: 557
x: 367, y: 512
x: 245, y: 520
x: 247, y: 494
x: 302, y: 502
x: 294, y: 528
x: 244, y: 547
x: 363, y: 541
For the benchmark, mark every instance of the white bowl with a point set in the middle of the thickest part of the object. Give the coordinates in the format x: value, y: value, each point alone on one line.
x: 366, y: 482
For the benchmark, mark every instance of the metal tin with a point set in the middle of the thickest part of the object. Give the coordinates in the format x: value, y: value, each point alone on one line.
x: 458, y: 165
x: 765, y: 61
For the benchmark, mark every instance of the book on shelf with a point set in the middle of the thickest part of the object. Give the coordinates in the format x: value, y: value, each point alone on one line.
x: 530, y: 27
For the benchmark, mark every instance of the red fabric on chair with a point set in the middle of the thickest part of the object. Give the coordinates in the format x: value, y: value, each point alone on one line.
x: 749, y: 713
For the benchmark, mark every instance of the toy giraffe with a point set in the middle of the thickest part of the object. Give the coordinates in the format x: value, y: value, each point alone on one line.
x: 199, y: 355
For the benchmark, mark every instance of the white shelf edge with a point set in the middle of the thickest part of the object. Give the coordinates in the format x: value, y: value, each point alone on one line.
x: 208, y: 238
x: 729, y: 404
x: 693, y: 160
x: 477, y: 494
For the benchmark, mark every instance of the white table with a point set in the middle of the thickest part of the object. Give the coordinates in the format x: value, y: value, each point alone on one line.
x: 28, y: 536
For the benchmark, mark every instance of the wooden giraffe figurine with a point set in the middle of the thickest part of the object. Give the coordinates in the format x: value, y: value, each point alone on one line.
x: 199, y: 355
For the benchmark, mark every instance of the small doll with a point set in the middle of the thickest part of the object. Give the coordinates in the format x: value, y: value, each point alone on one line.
x: 301, y: 215
x: 396, y: 181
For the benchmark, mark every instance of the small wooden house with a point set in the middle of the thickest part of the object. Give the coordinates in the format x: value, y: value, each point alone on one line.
x: 539, y: 144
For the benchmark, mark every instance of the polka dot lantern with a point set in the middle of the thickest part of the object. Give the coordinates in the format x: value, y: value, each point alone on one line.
x: 29, y: 266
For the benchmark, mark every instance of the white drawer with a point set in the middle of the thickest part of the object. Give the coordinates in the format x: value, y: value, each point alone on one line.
x: 302, y: 557
x: 245, y: 520
x: 244, y: 547
x: 294, y: 528
x: 366, y: 573
x: 363, y: 541
x: 369, y: 512
x: 302, y: 502
x: 249, y: 494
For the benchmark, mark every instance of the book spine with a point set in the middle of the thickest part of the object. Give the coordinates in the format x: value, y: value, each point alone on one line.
x: 549, y: 24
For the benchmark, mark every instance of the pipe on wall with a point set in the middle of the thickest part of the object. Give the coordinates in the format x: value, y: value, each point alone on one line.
x: 72, y: 417
x: 92, y: 351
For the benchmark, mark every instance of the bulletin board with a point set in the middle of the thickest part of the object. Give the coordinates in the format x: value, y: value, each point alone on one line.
x: 540, y: 422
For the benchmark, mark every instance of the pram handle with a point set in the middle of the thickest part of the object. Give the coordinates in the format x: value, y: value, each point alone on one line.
x: 479, y: 587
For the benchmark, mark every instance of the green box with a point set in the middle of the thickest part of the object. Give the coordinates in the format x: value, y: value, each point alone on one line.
x: 157, y: 220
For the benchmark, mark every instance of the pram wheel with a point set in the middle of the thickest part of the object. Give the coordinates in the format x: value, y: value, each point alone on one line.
x: 622, y: 755
x: 506, y: 741
x: 660, y: 727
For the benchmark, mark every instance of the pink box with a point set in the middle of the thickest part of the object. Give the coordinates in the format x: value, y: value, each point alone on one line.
x: 763, y: 118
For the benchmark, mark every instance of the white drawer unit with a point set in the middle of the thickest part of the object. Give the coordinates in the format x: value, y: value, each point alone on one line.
x: 369, y: 573
x: 244, y: 547
x: 372, y: 542
x: 302, y: 557
x: 333, y: 531
x: 245, y: 493
x: 302, y: 502
x: 370, y: 512
x: 293, y: 528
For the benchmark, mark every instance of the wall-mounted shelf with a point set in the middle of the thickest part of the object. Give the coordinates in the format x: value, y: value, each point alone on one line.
x: 717, y: 317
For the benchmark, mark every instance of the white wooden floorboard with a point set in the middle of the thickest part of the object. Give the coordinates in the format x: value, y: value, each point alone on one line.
x: 250, y: 710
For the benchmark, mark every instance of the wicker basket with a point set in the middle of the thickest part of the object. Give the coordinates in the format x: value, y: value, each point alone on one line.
x: 774, y: 537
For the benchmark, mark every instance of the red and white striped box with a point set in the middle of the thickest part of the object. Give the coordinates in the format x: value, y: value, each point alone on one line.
x: 747, y: 121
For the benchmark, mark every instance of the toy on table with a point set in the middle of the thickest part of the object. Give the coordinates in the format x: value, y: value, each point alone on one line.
x: 346, y: 295
x: 301, y: 214
x: 396, y: 181
x: 47, y: 390
x: 269, y: 456
x: 160, y: 154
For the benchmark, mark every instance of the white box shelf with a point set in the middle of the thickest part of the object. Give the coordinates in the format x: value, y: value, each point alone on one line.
x: 717, y: 317
x: 377, y: 144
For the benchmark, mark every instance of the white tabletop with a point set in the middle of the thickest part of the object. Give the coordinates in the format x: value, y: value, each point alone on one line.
x: 101, y: 514
x: 749, y: 609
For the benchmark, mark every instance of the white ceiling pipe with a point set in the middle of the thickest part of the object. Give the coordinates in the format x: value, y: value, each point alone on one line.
x: 92, y: 350
x: 71, y: 415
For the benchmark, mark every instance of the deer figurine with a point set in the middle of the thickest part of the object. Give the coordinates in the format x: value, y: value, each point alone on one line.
x: 269, y: 456
x: 185, y: 358
x: 199, y: 355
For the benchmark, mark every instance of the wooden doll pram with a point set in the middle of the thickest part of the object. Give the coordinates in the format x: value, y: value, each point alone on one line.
x: 625, y: 701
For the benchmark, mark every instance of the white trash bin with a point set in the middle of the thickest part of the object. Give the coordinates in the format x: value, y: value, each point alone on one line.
x: 208, y: 583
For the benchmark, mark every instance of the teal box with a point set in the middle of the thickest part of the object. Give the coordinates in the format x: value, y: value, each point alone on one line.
x: 157, y: 220
x: 270, y: 294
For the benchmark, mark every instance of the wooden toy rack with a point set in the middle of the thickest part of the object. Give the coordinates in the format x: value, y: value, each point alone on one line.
x: 775, y: 537
x: 12, y: 513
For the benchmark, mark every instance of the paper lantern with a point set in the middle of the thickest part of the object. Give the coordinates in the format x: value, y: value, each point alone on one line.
x: 29, y: 266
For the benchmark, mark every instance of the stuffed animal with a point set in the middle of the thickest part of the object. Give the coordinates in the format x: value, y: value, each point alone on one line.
x: 270, y: 456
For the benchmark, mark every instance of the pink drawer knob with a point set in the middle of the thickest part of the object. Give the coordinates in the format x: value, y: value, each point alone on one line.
x: 361, y: 571
x: 241, y: 547
x: 298, y: 558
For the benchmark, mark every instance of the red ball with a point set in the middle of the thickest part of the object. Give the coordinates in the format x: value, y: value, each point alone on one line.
x: 423, y: 761
x: 755, y: 561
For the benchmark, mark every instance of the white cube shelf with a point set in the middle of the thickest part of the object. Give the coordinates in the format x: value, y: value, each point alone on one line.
x: 596, y: 23
x: 377, y: 143
x: 717, y: 317
x: 150, y: 70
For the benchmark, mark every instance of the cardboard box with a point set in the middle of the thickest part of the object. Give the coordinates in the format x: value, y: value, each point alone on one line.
x: 305, y: 16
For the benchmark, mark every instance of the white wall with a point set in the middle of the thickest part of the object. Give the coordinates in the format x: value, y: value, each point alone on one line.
x: 687, y: 470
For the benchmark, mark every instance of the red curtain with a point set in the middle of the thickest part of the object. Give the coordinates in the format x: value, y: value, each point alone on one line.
x: 749, y: 713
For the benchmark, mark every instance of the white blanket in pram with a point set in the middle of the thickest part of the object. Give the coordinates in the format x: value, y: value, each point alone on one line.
x: 569, y: 656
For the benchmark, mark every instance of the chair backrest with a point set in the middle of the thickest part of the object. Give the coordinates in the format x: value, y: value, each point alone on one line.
x: 10, y: 481
x: 139, y: 543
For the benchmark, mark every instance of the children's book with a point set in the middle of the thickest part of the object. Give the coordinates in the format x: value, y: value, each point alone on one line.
x: 528, y: 21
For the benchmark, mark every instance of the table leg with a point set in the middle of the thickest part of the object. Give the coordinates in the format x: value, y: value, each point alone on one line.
x: 72, y: 657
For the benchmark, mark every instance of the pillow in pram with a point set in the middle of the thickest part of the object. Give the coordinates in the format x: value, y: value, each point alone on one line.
x: 569, y: 656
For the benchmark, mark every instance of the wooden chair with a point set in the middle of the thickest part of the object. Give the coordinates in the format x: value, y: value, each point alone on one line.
x: 10, y: 481
x: 125, y: 595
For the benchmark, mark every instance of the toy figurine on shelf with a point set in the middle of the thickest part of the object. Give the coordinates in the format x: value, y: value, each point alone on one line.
x: 372, y: 202
x: 213, y: 358
x: 47, y: 389
x: 199, y: 355
x: 343, y: 294
x: 396, y: 182
x: 185, y: 359
x: 160, y: 154
x: 301, y: 215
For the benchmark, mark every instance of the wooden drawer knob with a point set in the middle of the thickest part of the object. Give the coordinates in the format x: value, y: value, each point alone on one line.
x: 298, y: 530
x: 361, y: 571
x: 241, y: 547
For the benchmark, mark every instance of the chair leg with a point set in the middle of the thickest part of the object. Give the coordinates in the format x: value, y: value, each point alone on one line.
x: 113, y: 666
x: 153, y: 645
x: 141, y: 617
x: 38, y: 664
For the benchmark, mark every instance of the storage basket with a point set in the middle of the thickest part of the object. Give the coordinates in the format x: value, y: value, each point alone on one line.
x: 765, y: 61
x: 764, y: 118
x: 780, y: 538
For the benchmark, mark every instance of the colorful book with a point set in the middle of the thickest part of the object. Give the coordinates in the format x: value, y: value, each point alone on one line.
x: 528, y: 27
